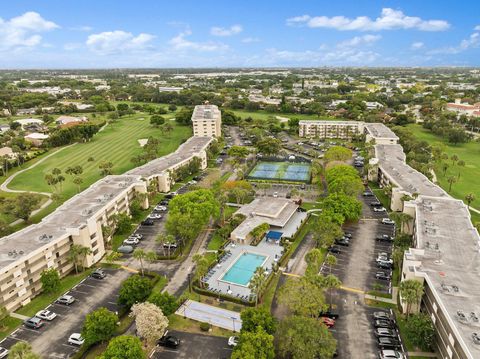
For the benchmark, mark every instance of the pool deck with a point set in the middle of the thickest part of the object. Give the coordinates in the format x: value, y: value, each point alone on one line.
x: 264, y: 248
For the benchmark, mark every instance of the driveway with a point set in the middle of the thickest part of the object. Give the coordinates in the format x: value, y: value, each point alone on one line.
x: 195, y: 346
x: 50, y: 341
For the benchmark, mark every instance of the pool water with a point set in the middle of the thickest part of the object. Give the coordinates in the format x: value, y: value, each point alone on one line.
x: 242, y: 270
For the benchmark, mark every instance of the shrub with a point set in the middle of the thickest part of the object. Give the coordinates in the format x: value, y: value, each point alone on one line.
x: 204, y: 327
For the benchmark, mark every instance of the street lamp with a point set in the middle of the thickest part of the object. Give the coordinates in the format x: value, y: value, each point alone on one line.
x: 233, y: 318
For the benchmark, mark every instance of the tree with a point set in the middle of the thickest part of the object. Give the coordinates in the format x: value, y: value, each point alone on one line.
x: 304, y: 338
x: 342, y: 207
x: 451, y: 180
x: 460, y: 163
x: 151, y: 323
x: 22, y: 206
x: 105, y: 168
x: 420, y: 331
x: 134, y: 289
x: 22, y: 350
x: 470, y: 197
x: 50, y: 280
x: 157, y: 120
x: 444, y: 168
x: 337, y: 153
x: 238, y: 152
x: 99, y: 326
x: 325, y: 230
x: 78, y: 182
x: 454, y: 159
x: 201, y: 267
x: 140, y: 255
x: 124, y: 347
x: 411, y: 292
x: 165, y: 301
x: 269, y: 146
x: 184, y: 116
x: 314, y: 259
x: 344, y: 179
x: 303, y: 296
x: 254, y: 345
x: 331, y: 282
x: 257, y: 283
x: 252, y: 318
x: 167, y: 128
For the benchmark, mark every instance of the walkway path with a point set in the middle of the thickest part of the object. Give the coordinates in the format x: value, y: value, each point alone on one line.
x: 4, y: 185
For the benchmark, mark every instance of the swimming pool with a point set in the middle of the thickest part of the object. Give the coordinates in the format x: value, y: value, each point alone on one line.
x: 242, y: 270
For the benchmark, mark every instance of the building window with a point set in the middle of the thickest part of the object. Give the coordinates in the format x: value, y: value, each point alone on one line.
x: 93, y: 235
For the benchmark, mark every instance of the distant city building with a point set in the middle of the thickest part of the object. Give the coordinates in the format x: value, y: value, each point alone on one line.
x: 329, y: 129
x: 70, y: 120
x: 24, y: 123
x: 464, y: 108
x: 207, y: 121
x: 36, y: 138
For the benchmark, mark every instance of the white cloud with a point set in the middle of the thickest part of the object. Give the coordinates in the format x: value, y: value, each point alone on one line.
x: 84, y: 28
x: 117, y: 41
x: 23, y: 31
x: 249, y: 40
x: 222, y: 31
x: 477, y: 28
x: 180, y: 43
x: 472, y: 42
x: 389, y: 19
x: 417, y: 45
x: 360, y: 41
x: 70, y: 46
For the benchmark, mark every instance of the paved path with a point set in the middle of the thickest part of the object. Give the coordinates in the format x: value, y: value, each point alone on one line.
x: 4, y: 185
x: 19, y: 316
x: 422, y: 354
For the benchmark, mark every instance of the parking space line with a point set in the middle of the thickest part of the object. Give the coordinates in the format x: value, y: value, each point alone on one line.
x: 354, y: 290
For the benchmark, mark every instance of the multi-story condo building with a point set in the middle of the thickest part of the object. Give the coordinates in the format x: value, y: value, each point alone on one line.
x: 330, y: 129
x: 207, y: 121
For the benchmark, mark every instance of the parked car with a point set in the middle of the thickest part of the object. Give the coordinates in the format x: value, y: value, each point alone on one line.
x: 131, y: 241
x: 160, y: 208
x: 388, y: 221
x: 382, y: 275
x: 154, y: 216
x: 383, y: 323
x: 33, y: 323
x: 98, y: 274
x: 388, y: 343
x: 3, y: 352
x: 384, y: 265
x: 233, y: 341
x: 148, y: 222
x: 342, y: 242
x: 169, y: 341
x: 125, y: 249
x: 379, y: 209
x: 334, y: 249
x: 367, y: 194
x: 329, y: 322
x: 197, y: 178
x: 381, y: 315
x: 390, y: 354
x: 385, y: 332
x: 384, y: 238
x: 348, y: 235
x: 66, y: 299
x: 164, y: 202
x: 275, y: 194
x: 137, y: 235
x: 329, y: 314
x: 76, y: 339
x: 375, y: 203
x: 46, y: 315
x: 170, y: 245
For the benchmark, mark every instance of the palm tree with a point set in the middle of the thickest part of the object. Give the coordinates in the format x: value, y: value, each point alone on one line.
x: 454, y: 159
x: 402, y: 219
x: 257, y: 282
x: 460, y: 163
x: 451, y: 180
x: 151, y: 257
x: 84, y: 252
x: 331, y: 282
x: 330, y: 261
x: 201, y: 267
x: 139, y: 254
x: 160, y: 240
x: 444, y: 168
x: 411, y: 292
x: 469, y: 198
x: 78, y: 181
x: 76, y: 253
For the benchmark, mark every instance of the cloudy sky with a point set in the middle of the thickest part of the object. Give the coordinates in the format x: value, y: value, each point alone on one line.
x: 207, y: 33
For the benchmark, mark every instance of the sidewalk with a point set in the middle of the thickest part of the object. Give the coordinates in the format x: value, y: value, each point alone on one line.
x: 422, y: 354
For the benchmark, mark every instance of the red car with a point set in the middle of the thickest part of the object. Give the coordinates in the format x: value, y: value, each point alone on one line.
x: 328, y: 322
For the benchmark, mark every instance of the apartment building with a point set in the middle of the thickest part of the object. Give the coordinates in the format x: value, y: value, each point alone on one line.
x: 329, y: 129
x: 380, y: 134
x: 464, y: 108
x: 207, y: 121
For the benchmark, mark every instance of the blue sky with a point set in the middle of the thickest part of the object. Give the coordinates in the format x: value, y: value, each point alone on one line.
x: 141, y: 33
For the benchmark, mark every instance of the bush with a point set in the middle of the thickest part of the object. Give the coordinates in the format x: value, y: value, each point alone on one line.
x: 204, y: 327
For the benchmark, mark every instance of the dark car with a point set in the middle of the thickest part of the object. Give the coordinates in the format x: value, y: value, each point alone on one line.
x: 384, y: 265
x: 348, y: 235
x: 382, y: 275
x: 381, y: 315
x: 342, y: 242
x: 169, y: 341
x: 334, y: 249
x: 384, y: 238
x: 98, y: 274
x: 197, y: 178
x: 383, y: 323
x: 329, y: 314
x: 375, y: 203
x: 367, y: 194
x: 33, y: 323
x: 388, y: 343
x: 164, y: 202
x: 148, y: 222
x: 385, y: 332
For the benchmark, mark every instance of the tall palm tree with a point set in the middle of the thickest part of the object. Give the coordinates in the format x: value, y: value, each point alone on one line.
x: 257, y: 283
x: 84, y: 252
x: 460, y: 163
x: 331, y: 282
x: 469, y: 198
x: 140, y: 255
x: 411, y: 292
x: 451, y: 180
x: 73, y: 255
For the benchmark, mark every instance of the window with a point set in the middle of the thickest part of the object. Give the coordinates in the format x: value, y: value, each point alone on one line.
x: 93, y: 235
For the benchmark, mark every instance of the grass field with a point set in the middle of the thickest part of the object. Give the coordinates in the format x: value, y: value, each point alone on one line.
x: 469, y: 175
x: 117, y: 143
x: 264, y: 115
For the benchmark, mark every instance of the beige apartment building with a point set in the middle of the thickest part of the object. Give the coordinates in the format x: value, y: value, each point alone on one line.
x: 329, y: 129
x: 207, y: 121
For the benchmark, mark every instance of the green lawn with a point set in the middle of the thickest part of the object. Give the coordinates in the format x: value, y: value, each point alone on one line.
x: 42, y: 300
x: 264, y: 115
x: 8, y: 325
x: 468, y: 152
x: 118, y: 143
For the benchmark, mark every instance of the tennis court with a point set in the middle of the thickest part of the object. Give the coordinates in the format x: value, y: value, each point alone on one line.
x: 285, y: 171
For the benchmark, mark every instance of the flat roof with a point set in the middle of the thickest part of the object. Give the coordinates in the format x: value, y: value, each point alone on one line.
x: 274, y: 211
x: 451, y: 257
x: 186, y: 150
x: 392, y: 162
x: 206, y: 112
x: 327, y: 122
x: 380, y: 130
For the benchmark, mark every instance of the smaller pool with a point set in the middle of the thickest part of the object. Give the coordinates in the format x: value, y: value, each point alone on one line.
x: 242, y: 270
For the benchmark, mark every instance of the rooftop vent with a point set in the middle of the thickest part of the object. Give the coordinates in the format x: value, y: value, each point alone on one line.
x: 45, y: 237
x: 476, y: 338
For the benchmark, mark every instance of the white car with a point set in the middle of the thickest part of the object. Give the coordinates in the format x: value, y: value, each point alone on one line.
x: 131, y: 241
x: 275, y: 194
x: 384, y: 259
x: 76, y: 339
x: 154, y: 216
x: 66, y: 299
x: 390, y: 354
x: 3, y: 352
x: 388, y: 221
x: 379, y: 209
x: 160, y: 208
x: 136, y: 235
x: 46, y: 315
x: 232, y: 341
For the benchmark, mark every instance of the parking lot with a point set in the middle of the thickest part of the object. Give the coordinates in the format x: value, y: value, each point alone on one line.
x: 356, y: 267
x: 50, y: 341
x: 195, y: 346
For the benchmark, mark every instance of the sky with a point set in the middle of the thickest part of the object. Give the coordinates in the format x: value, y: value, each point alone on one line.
x: 241, y: 33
